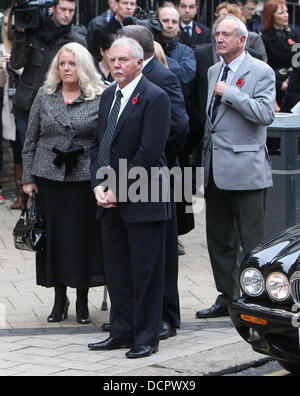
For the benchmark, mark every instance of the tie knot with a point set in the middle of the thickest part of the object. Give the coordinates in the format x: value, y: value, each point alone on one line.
x: 119, y: 94
x: 225, y: 73
x: 187, y: 29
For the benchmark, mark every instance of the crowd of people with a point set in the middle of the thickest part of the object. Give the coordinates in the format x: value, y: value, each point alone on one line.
x: 77, y: 101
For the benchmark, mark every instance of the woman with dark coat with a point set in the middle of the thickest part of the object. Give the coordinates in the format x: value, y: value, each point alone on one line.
x: 56, y: 164
x: 279, y: 39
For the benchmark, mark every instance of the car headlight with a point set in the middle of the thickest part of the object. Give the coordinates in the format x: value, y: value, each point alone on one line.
x: 278, y: 286
x: 252, y: 282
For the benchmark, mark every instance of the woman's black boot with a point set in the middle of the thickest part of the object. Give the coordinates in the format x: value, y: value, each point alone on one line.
x: 61, y: 305
x: 82, y: 310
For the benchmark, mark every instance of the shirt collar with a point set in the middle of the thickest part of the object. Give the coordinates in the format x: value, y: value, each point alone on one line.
x: 183, y: 25
x: 127, y: 91
x: 235, y: 64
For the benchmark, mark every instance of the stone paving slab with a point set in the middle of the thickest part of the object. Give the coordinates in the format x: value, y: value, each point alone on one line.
x: 30, y: 346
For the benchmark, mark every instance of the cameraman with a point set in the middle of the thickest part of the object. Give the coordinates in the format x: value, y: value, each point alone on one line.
x: 34, y: 49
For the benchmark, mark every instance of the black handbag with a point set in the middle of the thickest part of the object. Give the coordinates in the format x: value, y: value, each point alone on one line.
x: 29, y: 232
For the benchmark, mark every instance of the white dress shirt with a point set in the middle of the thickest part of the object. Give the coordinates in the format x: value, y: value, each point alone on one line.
x: 127, y: 91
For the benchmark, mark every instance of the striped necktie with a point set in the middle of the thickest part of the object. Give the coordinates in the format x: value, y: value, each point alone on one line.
x: 218, y: 98
x: 105, y: 145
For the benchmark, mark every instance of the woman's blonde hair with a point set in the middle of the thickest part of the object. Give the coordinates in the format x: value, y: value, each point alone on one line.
x: 231, y: 9
x: 159, y: 54
x: 90, y: 81
x: 5, y: 39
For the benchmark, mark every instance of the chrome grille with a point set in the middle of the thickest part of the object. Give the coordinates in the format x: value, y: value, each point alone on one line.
x: 295, y: 287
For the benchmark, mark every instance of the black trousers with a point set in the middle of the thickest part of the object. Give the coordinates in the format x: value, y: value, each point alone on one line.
x: 234, y: 219
x: 134, y: 257
x: 171, y: 305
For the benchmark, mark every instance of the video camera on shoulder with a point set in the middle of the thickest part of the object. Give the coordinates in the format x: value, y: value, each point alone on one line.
x: 30, y: 14
x: 145, y: 18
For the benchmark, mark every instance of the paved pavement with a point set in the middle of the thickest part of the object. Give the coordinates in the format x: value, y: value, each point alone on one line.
x: 30, y: 346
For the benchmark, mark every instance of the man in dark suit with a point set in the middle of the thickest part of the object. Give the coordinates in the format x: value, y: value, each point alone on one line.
x: 133, y: 126
x: 165, y: 79
x: 123, y: 9
x: 192, y: 33
x: 206, y: 57
x: 182, y: 63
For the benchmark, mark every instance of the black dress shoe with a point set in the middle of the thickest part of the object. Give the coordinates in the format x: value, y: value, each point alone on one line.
x: 111, y: 343
x: 215, y: 311
x: 166, y: 331
x: 106, y: 327
x: 140, y: 351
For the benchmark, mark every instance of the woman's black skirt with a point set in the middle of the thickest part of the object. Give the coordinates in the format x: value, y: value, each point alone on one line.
x: 73, y: 255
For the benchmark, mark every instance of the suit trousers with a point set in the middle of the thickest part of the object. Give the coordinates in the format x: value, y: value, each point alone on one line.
x: 171, y: 306
x: 234, y: 219
x: 134, y: 258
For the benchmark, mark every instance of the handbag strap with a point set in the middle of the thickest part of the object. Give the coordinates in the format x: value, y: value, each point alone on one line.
x: 27, y: 213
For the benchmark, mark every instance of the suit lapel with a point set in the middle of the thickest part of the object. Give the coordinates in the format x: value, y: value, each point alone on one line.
x: 211, y: 87
x: 241, y: 72
x: 105, y: 107
x: 130, y: 106
x: 58, y: 110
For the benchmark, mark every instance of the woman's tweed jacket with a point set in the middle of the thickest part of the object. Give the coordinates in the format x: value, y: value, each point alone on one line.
x: 54, y: 124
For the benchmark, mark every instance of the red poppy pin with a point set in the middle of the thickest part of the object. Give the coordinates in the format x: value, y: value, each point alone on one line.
x: 240, y: 82
x: 198, y: 30
x: 135, y: 99
x: 291, y: 41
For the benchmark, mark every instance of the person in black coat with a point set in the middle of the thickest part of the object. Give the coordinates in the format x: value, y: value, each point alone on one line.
x: 123, y: 9
x: 133, y: 230
x: 165, y: 79
x: 95, y: 24
x: 192, y: 32
x: 279, y: 39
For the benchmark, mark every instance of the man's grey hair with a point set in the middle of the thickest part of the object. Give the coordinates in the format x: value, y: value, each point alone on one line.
x: 241, y: 27
x: 137, y: 50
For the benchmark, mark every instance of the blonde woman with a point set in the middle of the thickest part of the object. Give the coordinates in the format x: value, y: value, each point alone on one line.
x: 56, y: 163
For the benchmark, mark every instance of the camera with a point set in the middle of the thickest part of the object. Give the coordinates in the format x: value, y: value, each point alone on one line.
x: 145, y: 18
x: 30, y: 14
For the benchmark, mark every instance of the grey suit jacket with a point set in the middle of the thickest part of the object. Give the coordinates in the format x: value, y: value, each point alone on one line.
x: 236, y: 140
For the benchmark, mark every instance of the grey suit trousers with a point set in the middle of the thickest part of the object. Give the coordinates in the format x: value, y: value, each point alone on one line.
x: 234, y: 219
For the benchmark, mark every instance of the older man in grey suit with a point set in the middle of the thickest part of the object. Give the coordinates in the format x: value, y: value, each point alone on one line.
x: 240, y: 105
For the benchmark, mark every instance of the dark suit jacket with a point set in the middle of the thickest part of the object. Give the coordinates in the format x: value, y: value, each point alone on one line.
x: 140, y: 138
x: 206, y: 56
x: 201, y: 34
x: 166, y: 80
